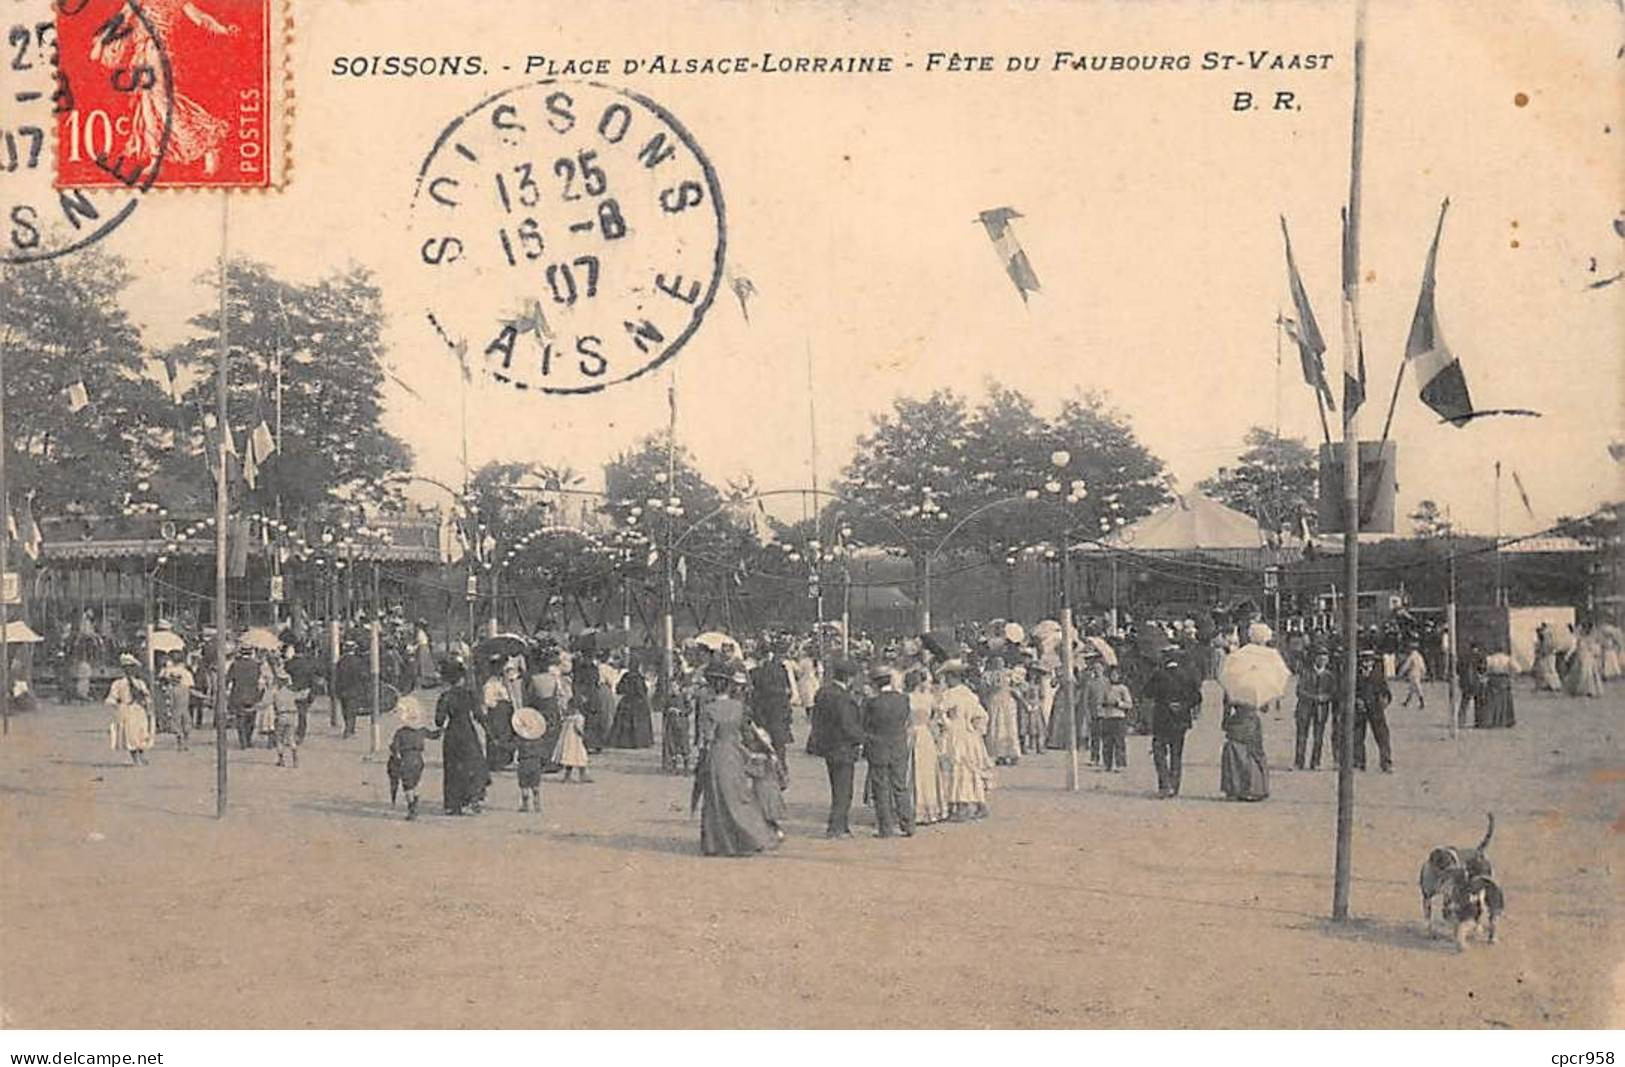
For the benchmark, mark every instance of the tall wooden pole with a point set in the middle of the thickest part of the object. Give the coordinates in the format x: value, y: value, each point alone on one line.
x: 5, y: 553
x: 221, y: 511
x: 1351, y: 488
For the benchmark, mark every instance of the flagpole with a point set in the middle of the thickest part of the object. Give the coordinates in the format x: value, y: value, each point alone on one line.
x: 1500, y: 586
x: 812, y: 436
x: 5, y: 553
x: 221, y: 511
x: 276, y: 552
x: 1351, y: 487
x: 668, y: 634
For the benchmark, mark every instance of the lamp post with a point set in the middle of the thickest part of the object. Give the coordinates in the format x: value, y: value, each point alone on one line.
x: 1075, y: 491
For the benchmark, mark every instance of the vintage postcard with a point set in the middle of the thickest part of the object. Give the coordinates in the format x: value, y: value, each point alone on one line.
x: 728, y: 515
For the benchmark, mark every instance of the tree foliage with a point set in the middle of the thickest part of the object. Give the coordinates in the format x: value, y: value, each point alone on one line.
x: 1275, y: 480
x: 1429, y: 520
x: 660, y: 494
x: 61, y: 323
x: 933, y: 474
x: 328, y: 339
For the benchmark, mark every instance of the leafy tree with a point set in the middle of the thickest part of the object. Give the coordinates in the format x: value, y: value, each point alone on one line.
x: 1275, y: 480
x: 1123, y: 480
x: 328, y: 338
x: 1429, y: 521
x: 664, y: 498
x: 61, y: 323
x: 905, y: 485
x: 930, y: 468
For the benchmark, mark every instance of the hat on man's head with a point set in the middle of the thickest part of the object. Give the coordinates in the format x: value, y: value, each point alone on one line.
x: 127, y: 660
x: 880, y: 672
x: 953, y: 666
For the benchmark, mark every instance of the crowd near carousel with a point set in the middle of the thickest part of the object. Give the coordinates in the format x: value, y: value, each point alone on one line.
x: 932, y: 719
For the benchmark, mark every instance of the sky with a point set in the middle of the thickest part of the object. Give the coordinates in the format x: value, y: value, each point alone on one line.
x: 1150, y: 216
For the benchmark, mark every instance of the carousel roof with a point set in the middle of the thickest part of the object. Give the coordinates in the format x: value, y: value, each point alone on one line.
x: 1192, y: 523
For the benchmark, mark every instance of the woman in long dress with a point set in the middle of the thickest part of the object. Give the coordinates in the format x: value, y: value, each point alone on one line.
x: 1497, y: 710
x: 970, y: 769
x: 1546, y: 676
x: 1243, y: 774
x: 466, y: 775
x: 925, y: 766
x: 731, y: 819
x: 1004, y: 719
x: 634, y: 728
x: 131, y: 729
x: 1584, y: 678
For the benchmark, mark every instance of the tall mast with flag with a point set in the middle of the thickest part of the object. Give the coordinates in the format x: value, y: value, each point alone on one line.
x: 1352, y: 376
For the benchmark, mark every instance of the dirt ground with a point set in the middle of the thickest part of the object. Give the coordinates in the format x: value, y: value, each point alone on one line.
x: 125, y: 903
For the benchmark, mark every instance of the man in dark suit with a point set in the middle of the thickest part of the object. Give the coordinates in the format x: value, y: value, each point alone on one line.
x: 837, y: 736
x: 770, y: 702
x: 1175, y: 692
x: 886, y: 746
x: 352, y: 685
x: 1317, y: 693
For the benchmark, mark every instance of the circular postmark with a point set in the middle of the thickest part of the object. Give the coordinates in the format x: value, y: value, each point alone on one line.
x: 46, y: 57
x: 573, y: 234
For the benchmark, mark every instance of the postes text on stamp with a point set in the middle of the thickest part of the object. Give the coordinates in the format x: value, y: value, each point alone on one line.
x: 218, y: 60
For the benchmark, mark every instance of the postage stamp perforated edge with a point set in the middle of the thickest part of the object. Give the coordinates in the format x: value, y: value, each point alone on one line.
x: 279, y: 92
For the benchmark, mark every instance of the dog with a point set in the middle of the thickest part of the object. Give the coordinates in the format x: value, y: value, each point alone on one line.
x: 1445, y: 866
x: 1474, y: 902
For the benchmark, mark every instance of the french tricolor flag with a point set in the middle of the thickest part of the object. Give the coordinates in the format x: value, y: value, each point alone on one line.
x: 1438, y: 372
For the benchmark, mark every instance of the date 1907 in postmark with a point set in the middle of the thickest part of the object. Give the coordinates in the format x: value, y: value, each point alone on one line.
x: 573, y: 235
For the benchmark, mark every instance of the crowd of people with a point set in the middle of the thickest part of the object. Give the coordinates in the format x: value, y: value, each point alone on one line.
x: 932, y: 719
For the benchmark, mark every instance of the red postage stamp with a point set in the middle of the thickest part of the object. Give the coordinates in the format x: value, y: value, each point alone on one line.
x: 169, y: 94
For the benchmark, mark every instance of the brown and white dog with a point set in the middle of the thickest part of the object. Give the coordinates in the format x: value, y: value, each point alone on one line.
x: 1447, y: 866
x: 1473, y: 903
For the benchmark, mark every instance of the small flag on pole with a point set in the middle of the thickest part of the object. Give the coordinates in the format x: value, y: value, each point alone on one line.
x: 78, y: 396
x: 997, y: 223
x: 1306, y: 331
x: 682, y: 570
x: 263, y: 441
x: 1354, y: 388
x: 1523, y: 494
x: 1438, y: 372
x: 33, y: 539
x: 251, y: 464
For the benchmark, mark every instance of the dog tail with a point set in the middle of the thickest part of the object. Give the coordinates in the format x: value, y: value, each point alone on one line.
x: 1489, y: 833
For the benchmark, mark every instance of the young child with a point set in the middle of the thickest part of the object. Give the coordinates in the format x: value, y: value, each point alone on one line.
x: 529, y: 728
x: 285, y: 704
x: 406, y: 754
x: 570, y: 752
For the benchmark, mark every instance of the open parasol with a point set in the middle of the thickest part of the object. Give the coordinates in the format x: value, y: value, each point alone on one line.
x: 1047, y: 631
x: 166, y: 641
x: 1254, y: 675
x: 503, y: 645
x: 940, y: 643
x: 19, y: 632
x: 717, y: 641
x: 259, y: 637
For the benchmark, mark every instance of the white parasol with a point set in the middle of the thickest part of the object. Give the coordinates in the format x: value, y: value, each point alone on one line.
x: 166, y: 641
x: 1254, y: 675
x: 20, y: 633
x: 717, y: 641
x: 261, y: 638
